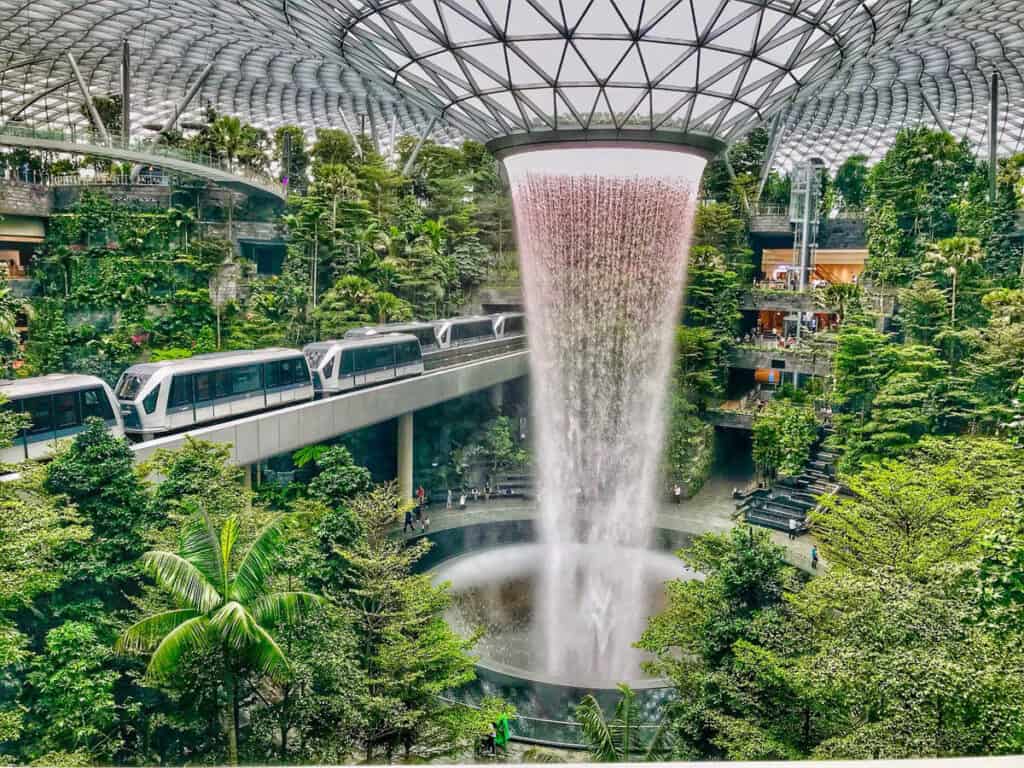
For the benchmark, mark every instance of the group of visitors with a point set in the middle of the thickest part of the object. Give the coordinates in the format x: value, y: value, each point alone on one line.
x: 416, y: 517
x: 465, y: 495
x: 416, y: 514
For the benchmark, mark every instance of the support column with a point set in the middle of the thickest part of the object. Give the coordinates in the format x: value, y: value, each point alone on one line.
x: 405, y: 455
x: 126, y: 94
x: 419, y: 145
x: 189, y: 95
x: 247, y: 476
x: 498, y: 397
x: 101, y: 129
x: 993, y: 134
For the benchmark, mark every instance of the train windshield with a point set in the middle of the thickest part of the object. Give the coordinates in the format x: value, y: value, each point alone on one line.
x: 314, y: 355
x: 130, y: 385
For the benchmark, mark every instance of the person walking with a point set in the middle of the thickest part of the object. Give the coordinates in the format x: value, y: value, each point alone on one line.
x: 409, y: 521
x: 792, y: 529
x: 677, y: 493
x: 462, y: 500
x: 448, y: 504
x: 814, y: 556
x: 487, y: 492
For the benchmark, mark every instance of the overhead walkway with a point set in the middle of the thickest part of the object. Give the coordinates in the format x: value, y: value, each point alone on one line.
x: 259, y: 437
x: 182, y: 161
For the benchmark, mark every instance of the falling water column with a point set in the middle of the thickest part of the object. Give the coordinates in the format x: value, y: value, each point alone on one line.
x: 603, y: 237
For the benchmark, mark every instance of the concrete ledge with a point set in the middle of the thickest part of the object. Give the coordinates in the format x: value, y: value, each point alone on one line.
x: 258, y: 437
x: 793, y: 362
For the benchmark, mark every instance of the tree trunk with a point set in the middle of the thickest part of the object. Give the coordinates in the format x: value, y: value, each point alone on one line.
x: 285, y: 724
x: 230, y: 721
x: 952, y: 320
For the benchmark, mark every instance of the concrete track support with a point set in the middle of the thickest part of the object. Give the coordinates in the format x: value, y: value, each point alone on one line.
x: 405, y: 455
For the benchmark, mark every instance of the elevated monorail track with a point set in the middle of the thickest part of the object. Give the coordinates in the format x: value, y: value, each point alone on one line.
x: 450, y: 374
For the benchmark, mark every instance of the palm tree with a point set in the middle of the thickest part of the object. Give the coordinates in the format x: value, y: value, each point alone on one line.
x: 618, y: 740
x: 228, y: 137
x: 951, y: 256
x: 223, y: 607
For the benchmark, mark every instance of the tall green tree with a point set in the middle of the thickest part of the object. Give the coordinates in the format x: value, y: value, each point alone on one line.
x: 225, y: 603
x: 96, y: 473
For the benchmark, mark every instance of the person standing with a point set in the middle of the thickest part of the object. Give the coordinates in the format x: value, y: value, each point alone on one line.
x: 792, y: 528
x: 421, y: 500
x: 448, y: 503
x: 814, y: 556
x: 677, y: 493
x: 409, y: 521
x: 462, y: 501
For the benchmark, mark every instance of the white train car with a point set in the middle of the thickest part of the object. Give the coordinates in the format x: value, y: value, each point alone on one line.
x: 460, y: 331
x: 426, y: 333
x: 341, y: 365
x: 174, y: 395
x: 509, y: 324
x: 58, y: 405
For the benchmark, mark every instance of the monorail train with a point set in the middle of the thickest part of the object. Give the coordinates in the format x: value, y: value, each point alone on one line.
x: 58, y: 405
x: 344, y: 364
x: 172, y: 395
x: 509, y: 324
x: 426, y: 333
x: 460, y: 331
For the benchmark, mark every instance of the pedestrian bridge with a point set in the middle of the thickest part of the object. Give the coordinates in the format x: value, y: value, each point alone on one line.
x: 182, y: 161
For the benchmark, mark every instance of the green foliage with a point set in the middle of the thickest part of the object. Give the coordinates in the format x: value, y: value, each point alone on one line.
x: 852, y: 181
x: 70, y: 696
x: 783, y: 435
x: 929, y: 509
x: 96, y: 473
x: 225, y: 603
x: 923, y: 309
x: 914, y: 191
x: 618, y: 739
x: 407, y: 653
x: 339, y: 478
x: 712, y: 293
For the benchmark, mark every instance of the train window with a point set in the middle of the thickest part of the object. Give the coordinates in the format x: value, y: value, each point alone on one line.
x: 204, y: 388
x: 329, y: 368
x: 221, y: 383
x: 181, y: 391
x: 271, y: 375
x: 130, y: 385
x: 149, y: 404
x: 245, y: 379
x: 513, y: 325
x: 374, y: 358
x: 347, y: 362
x: 408, y: 352
x: 301, y: 371
x: 38, y: 409
x: 65, y: 410
x: 95, y: 404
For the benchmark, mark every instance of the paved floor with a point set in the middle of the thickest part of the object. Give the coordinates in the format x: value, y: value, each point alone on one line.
x: 712, y: 509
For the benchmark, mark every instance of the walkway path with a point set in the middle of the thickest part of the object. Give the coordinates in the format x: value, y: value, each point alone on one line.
x: 711, y: 509
x: 142, y: 153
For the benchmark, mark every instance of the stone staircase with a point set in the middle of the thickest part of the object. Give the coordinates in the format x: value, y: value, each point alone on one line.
x: 792, y: 498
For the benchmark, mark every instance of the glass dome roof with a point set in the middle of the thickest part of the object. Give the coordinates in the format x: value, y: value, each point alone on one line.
x: 702, y: 67
x: 835, y: 76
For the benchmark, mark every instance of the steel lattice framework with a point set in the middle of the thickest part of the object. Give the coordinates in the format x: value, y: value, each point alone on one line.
x: 831, y: 77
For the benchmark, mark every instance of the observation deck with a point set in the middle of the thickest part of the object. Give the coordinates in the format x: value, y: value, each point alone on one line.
x: 145, y: 152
